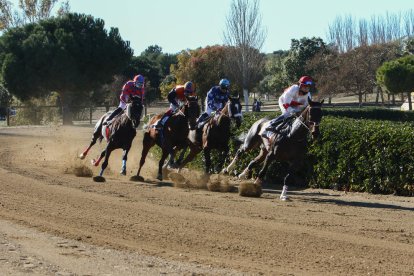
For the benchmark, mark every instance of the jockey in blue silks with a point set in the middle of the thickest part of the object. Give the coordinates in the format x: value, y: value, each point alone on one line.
x: 216, y: 99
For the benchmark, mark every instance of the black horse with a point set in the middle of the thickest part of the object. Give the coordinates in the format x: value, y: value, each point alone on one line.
x: 118, y: 134
x: 174, y: 135
x: 291, y: 147
x: 215, y: 134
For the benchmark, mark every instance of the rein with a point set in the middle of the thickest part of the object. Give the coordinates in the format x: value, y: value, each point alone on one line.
x: 310, y: 122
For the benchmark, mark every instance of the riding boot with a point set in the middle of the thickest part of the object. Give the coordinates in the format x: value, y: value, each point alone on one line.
x: 201, y: 119
x: 161, y: 122
x: 113, y: 114
x: 275, y: 122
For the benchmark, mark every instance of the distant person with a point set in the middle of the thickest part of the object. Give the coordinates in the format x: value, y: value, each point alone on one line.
x: 131, y: 88
x: 256, y: 105
x: 293, y: 100
x: 216, y: 99
x: 176, y: 97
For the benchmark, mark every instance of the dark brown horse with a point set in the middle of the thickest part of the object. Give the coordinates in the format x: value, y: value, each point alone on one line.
x: 215, y: 135
x: 290, y: 148
x: 119, y: 134
x: 173, y: 136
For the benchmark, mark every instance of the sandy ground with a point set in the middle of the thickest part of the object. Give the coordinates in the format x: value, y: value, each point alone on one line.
x: 55, y: 223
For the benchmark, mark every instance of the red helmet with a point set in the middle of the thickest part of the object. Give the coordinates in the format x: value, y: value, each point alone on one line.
x: 188, y: 87
x: 139, y: 81
x: 305, y: 80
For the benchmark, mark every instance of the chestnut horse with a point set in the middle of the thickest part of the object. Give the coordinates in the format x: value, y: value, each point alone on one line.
x: 290, y: 148
x: 215, y: 134
x: 173, y: 136
x: 118, y: 134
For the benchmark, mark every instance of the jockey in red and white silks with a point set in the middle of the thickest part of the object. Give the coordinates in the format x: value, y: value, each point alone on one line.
x: 134, y: 87
x: 293, y: 100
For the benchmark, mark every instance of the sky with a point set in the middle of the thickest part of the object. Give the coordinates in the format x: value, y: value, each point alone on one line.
x: 176, y: 25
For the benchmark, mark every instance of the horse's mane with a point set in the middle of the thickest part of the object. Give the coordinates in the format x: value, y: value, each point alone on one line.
x: 119, y: 121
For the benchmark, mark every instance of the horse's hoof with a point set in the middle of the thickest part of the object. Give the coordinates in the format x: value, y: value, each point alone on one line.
x: 94, y: 163
x: 159, y: 177
x: 284, y: 198
x: 99, y: 178
x: 224, y: 171
x: 82, y: 156
x: 122, y: 172
x: 243, y: 175
x: 136, y: 178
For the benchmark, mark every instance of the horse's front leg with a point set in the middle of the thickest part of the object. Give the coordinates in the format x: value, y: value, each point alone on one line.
x: 124, y: 160
x: 181, y: 157
x: 223, y: 156
x: 161, y: 163
x: 289, y: 178
x: 194, y: 150
x: 147, y: 144
x: 108, y: 150
x: 95, y: 162
x: 207, y: 159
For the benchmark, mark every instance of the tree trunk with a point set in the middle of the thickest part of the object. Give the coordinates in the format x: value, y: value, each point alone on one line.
x: 410, y: 105
x: 246, y: 98
x: 360, y: 99
x: 67, y: 115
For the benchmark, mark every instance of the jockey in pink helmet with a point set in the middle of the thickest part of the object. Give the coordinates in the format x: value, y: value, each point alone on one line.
x: 134, y: 87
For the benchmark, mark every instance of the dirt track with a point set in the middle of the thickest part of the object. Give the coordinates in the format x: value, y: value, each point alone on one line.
x: 52, y: 222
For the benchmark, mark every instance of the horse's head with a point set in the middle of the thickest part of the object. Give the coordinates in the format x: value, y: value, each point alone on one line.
x: 234, y: 109
x: 192, y: 111
x: 134, y: 110
x: 314, y: 117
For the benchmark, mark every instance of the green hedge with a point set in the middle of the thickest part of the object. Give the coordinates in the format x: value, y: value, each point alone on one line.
x: 373, y: 113
x: 364, y: 155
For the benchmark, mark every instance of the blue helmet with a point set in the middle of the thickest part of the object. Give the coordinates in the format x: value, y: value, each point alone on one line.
x: 224, y: 84
x: 139, y: 81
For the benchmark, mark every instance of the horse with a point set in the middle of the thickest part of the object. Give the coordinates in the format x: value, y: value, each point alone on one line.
x: 289, y: 145
x: 215, y: 134
x: 173, y: 136
x: 118, y: 134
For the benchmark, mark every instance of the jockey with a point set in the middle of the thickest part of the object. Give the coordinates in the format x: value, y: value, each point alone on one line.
x: 131, y: 88
x: 176, y: 97
x: 215, y: 101
x: 293, y: 100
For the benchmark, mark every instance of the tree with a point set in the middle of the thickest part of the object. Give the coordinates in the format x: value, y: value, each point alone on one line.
x: 300, y: 53
x: 72, y: 55
x: 398, y: 76
x: 30, y: 11
x: 204, y: 66
x: 244, y: 32
x: 275, y: 79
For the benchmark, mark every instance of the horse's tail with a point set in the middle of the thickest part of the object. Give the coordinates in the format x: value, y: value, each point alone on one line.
x: 146, y: 125
x: 238, y: 140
